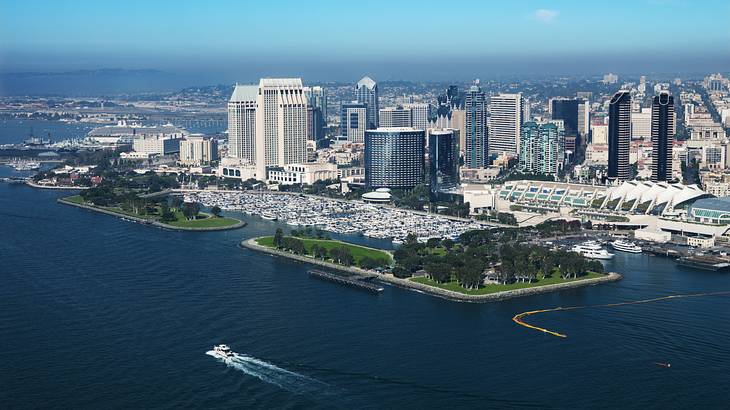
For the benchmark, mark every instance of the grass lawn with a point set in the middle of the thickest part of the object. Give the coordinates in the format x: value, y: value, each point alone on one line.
x: 203, y: 221
x: 358, y: 252
x: 77, y: 199
x: 487, y: 289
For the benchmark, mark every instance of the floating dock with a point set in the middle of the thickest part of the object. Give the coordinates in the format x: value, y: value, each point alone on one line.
x: 705, y: 262
x: 358, y: 282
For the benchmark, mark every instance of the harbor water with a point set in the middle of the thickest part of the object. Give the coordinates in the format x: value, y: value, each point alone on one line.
x: 98, y: 312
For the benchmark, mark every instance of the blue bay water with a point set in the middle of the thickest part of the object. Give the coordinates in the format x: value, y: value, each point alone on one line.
x: 102, y: 313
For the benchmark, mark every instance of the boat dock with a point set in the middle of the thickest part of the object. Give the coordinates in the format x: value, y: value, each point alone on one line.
x: 359, y: 282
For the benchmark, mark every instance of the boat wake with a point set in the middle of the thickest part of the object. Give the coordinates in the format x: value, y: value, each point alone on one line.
x: 272, y: 374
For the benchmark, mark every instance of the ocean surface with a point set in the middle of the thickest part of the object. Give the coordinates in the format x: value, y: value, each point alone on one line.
x: 97, y: 312
x: 14, y: 131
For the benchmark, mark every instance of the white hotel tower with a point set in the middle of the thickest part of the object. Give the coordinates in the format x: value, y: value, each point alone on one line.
x: 267, y: 124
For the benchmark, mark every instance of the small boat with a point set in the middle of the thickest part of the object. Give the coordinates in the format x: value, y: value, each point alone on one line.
x: 269, y: 217
x: 592, y: 250
x: 625, y: 246
x: 222, y: 352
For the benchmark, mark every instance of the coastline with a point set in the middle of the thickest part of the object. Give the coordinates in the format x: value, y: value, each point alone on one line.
x: 431, y: 290
x: 143, y: 221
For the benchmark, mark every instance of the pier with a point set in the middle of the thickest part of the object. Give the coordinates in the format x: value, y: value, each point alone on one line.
x: 359, y: 282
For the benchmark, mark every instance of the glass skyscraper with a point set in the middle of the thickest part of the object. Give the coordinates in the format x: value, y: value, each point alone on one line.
x: 619, y: 136
x: 662, y: 124
x: 366, y: 92
x: 443, y: 158
x: 394, y: 157
x: 475, y: 107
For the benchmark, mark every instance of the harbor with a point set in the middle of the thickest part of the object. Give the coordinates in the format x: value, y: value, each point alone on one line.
x: 341, y: 217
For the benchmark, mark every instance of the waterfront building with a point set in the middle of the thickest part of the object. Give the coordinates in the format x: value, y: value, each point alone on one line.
x: 475, y: 144
x: 304, y: 174
x: 156, y: 144
x: 505, y: 120
x: 281, y: 123
x: 542, y: 148
x: 353, y: 121
x: 123, y: 133
x: 443, y: 157
x: 366, y: 92
x: 619, y: 136
x: 198, y: 150
x: 662, y: 138
x: 395, y: 117
x: 394, y: 157
x: 242, y: 123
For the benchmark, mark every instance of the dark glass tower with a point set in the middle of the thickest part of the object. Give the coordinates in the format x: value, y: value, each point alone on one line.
x: 394, y: 157
x: 366, y: 92
x: 566, y: 110
x: 476, y: 128
x: 662, y: 136
x: 443, y: 157
x: 619, y: 136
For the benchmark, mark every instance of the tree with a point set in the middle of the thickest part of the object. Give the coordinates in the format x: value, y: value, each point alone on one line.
x: 439, y: 271
x: 190, y: 210
x: 216, y: 211
x: 447, y: 243
x: 278, y: 238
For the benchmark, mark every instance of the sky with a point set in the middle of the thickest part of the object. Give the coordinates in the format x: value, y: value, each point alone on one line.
x: 335, y: 40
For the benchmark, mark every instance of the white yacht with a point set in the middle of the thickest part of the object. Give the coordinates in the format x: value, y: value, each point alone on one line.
x: 221, y: 352
x: 592, y: 250
x: 625, y: 246
x: 269, y: 217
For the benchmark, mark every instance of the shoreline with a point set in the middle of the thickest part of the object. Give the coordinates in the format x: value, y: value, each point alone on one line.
x: 239, y: 224
x: 431, y: 290
x: 32, y: 184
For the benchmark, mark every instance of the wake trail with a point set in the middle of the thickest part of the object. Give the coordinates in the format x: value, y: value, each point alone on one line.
x: 272, y: 374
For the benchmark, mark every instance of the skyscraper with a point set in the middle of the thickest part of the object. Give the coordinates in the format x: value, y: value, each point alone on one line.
x: 619, y: 136
x: 316, y: 112
x: 506, y: 117
x: 281, y: 123
x: 420, y: 112
x: 353, y: 121
x: 366, y: 92
x: 542, y: 148
x: 475, y: 149
x: 443, y: 158
x: 394, y: 157
x: 242, y: 123
x: 566, y: 109
x: 391, y: 117
x: 662, y: 136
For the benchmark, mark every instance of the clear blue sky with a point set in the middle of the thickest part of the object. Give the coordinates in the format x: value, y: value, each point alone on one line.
x: 254, y: 36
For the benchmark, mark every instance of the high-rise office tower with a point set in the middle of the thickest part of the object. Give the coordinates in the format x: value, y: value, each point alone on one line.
x: 353, y: 121
x: 391, y: 117
x: 475, y: 148
x: 394, y: 157
x: 316, y: 112
x: 420, y: 112
x: 281, y: 123
x: 506, y: 117
x: 662, y: 136
x: 443, y: 158
x: 566, y: 109
x: 366, y: 92
x: 584, y: 120
x: 619, y: 136
x: 242, y: 124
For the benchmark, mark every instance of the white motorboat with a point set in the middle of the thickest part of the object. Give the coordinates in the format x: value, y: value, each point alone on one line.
x: 221, y: 352
x: 625, y: 246
x: 269, y: 217
x: 592, y: 250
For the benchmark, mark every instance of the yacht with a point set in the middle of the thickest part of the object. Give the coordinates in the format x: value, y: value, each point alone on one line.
x: 269, y: 217
x: 625, y: 246
x: 222, y: 352
x: 592, y: 250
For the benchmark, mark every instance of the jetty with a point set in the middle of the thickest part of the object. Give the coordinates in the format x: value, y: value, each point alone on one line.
x: 359, y: 282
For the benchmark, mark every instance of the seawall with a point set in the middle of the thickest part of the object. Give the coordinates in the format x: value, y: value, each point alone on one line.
x: 432, y: 290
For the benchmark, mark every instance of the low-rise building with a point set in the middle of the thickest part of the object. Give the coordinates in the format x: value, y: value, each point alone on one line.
x: 198, y: 150
x: 305, y: 174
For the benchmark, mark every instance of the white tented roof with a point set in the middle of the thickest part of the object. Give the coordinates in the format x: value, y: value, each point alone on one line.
x: 244, y: 93
x: 659, y: 192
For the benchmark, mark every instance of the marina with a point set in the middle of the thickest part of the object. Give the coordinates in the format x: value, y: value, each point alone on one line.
x: 341, y: 217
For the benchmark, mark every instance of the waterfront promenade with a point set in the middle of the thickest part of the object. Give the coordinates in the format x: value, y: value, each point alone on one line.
x: 432, y: 290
